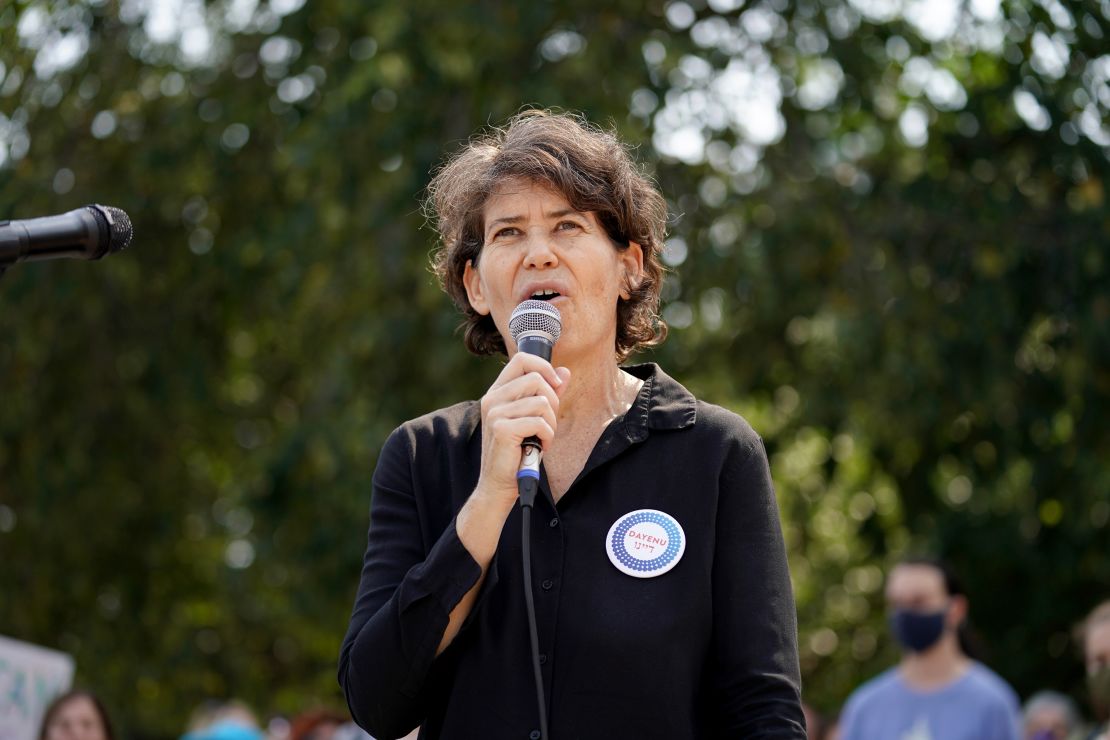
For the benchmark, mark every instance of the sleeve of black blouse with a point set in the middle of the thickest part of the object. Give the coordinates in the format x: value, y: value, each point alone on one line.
x: 405, y: 597
x: 756, y: 676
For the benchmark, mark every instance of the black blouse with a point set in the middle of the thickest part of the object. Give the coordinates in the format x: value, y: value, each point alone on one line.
x: 707, y: 649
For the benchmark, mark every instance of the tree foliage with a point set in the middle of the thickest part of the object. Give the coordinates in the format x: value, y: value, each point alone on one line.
x: 887, y: 251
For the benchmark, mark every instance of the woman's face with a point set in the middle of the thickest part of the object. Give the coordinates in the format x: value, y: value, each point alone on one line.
x: 536, y: 245
x: 77, y: 719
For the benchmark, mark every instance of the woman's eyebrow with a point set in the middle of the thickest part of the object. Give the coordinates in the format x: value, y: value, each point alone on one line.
x: 513, y: 220
x: 504, y: 220
x: 564, y: 212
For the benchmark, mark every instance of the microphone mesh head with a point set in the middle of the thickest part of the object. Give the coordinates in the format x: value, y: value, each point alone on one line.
x: 115, y: 225
x: 535, y: 317
x: 120, y: 225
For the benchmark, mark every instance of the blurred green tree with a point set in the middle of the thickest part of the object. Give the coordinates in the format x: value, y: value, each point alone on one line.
x: 887, y: 252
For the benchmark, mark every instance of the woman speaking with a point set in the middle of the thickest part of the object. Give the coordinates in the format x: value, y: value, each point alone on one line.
x: 659, y: 604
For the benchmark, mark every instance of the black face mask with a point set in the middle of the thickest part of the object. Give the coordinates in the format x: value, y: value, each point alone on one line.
x: 917, y: 631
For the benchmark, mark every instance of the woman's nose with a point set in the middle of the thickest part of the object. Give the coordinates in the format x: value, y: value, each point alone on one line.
x: 540, y: 252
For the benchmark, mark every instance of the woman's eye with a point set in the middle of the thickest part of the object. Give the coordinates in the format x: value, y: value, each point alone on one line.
x: 509, y: 231
x: 567, y: 225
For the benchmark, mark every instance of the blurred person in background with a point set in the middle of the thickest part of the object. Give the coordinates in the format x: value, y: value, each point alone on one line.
x: 326, y: 724
x: 1050, y: 715
x: 230, y: 720
x: 1094, y: 635
x: 694, y: 635
x: 936, y: 692
x: 815, y: 723
x: 76, y: 715
x: 820, y: 726
x: 316, y: 724
x: 350, y: 731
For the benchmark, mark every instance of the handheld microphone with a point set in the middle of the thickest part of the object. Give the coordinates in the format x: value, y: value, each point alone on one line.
x: 535, y: 326
x: 86, y: 233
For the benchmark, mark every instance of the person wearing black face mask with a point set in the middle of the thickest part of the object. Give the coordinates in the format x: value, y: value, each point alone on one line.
x: 936, y: 692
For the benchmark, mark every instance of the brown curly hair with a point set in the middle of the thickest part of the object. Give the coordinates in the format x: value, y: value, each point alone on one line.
x: 592, y: 169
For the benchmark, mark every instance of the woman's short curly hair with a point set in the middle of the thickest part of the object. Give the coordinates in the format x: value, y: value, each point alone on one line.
x: 592, y: 169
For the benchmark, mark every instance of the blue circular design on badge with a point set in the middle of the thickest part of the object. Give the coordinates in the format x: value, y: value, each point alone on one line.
x: 645, y: 543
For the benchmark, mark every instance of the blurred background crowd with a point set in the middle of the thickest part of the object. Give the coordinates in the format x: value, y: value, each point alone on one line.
x: 887, y: 251
x: 942, y: 679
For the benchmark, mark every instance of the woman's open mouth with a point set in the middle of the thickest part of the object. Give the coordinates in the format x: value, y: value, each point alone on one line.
x: 545, y: 295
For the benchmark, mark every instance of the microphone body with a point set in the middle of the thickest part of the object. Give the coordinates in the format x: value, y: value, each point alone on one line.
x: 535, y: 325
x: 530, y: 449
x: 86, y: 233
x: 536, y: 345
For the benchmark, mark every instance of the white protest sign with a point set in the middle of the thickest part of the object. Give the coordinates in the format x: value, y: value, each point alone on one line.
x: 30, y: 676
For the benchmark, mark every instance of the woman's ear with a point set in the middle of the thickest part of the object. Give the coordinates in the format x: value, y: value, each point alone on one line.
x: 632, y: 258
x: 472, y: 281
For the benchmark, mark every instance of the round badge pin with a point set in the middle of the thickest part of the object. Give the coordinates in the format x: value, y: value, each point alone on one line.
x: 645, y: 543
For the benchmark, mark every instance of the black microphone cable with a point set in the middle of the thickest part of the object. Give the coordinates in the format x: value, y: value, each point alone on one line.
x: 526, y: 487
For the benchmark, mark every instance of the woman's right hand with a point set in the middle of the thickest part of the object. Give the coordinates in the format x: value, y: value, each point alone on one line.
x: 523, y: 402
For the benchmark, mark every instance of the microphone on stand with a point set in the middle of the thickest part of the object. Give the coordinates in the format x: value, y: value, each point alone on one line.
x: 535, y: 326
x: 86, y: 233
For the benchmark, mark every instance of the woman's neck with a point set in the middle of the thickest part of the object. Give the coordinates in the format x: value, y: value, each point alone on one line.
x: 597, y: 394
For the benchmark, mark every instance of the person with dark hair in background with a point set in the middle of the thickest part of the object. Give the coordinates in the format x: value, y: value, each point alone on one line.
x: 936, y: 692
x: 76, y: 715
x: 820, y: 726
x: 1094, y: 635
x: 663, y: 602
x: 815, y: 723
x: 316, y: 724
